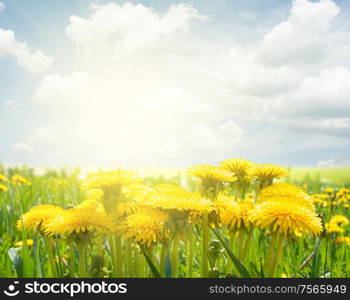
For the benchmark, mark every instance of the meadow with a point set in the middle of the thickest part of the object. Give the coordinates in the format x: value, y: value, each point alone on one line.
x: 237, y: 219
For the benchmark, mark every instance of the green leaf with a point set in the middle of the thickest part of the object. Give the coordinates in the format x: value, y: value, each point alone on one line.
x: 240, y: 267
x: 153, y: 268
x: 298, y: 272
x: 167, y: 267
x: 255, y: 269
x: 16, y: 260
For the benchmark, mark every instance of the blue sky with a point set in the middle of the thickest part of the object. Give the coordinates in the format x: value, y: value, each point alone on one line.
x: 174, y: 83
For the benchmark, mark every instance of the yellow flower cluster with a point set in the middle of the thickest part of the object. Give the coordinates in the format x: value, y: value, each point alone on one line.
x: 336, y: 224
x: 118, y: 202
x: 333, y: 198
x: 30, y: 243
x: 16, y: 180
x: 3, y: 188
x: 3, y: 178
x: 343, y: 239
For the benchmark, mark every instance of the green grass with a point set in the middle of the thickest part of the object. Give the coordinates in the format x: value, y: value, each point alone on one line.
x: 331, y: 176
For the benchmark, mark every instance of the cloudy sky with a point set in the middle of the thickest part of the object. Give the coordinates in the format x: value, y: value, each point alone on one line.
x: 169, y: 83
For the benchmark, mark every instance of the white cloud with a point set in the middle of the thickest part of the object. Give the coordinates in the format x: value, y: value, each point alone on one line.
x: 319, y: 103
x: 121, y: 29
x: 69, y: 90
x: 43, y: 135
x: 326, y: 163
x: 40, y: 137
x: 2, y: 7
x: 325, y: 94
x: 12, y: 105
x: 23, y: 147
x: 303, y: 37
x: 147, y: 89
x: 34, y: 62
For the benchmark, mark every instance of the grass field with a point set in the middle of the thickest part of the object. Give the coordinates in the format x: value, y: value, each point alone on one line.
x: 210, y: 222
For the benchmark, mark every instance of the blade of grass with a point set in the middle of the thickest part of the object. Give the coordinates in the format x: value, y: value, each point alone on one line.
x: 153, y: 268
x: 240, y: 267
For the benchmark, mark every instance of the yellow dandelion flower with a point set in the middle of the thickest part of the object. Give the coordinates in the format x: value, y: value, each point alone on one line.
x: 339, y: 220
x: 234, y: 214
x: 212, y: 179
x: 249, y: 196
x: 136, y: 192
x: 3, y: 188
x: 39, y: 216
x: 90, y: 203
x: 20, y: 243
x: 339, y: 195
x: 323, y: 196
x: 146, y: 226
x: 173, y: 197
x: 124, y: 209
x: 110, y: 182
x: 286, y: 218
x: 238, y: 166
x: 333, y: 228
x: 329, y: 190
x: 267, y: 172
x: 133, y: 195
x: 286, y: 192
x: 81, y: 219
x: 316, y: 199
x: 3, y: 178
x: 94, y: 195
x: 18, y: 180
x: 343, y: 239
x: 211, y: 174
x: 107, y: 187
x: 344, y: 191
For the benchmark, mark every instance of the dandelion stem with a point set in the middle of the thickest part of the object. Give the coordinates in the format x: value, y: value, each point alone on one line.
x: 278, y: 256
x: 82, y: 260
x: 48, y: 243
x: 190, y: 253
x: 269, y: 254
x: 119, y: 255
x: 113, y: 255
x: 163, y: 254
x: 175, y: 254
x: 205, y: 245
x: 247, y: 243
x: 129, y: 253
x: 241, y: 241
x: 229, y: 264
x: 139, y: 265
x: 37, y: 255
x: 72, y: 260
